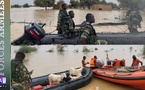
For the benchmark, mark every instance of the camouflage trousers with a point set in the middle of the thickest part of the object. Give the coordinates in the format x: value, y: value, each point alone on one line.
x: 132, y: 28
x: 20, y: 86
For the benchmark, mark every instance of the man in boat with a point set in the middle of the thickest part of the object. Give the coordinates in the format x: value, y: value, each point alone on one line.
x: 20, y: 76
x: 88, y: 35
x: 69, y: 30
x: 93, y: 62
x: 84, y: 63
x: 62, y: 18
x: 133, y: 19
x: 135, y: 62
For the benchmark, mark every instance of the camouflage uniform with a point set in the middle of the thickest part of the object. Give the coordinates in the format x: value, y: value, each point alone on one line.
x: 20, y: 76
x: 88, y: 32
x: 70, y: 25
x: 133, y: 20
x: 62, y: 20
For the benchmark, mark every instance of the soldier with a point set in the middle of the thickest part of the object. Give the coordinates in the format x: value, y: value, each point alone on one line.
x: 62, y: 18
x: 133, y: 19
x: 20, y: 77
x: 88, y: 35
x: 69, y: 30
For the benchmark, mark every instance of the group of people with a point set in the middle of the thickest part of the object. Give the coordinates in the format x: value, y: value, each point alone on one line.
x: 134, y: 19
x: 66, y: 26
x: 21, y: 77
x: 87, y: 33
x: 116, y: 63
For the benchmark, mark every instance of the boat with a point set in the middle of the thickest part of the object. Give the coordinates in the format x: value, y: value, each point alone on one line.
x: 70, y: 85
x: 34, y: 34
x: 134, y: 79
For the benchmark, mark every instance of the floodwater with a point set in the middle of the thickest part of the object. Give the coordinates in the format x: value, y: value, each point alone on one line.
x: 50, y: 18
x: 44, y: 62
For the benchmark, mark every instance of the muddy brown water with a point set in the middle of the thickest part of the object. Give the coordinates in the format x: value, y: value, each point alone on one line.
x: 44, y: 62
x: 50, y: 18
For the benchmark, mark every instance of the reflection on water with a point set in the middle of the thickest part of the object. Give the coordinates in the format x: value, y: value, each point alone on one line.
x: 50, y: 18
x: 44, y: 62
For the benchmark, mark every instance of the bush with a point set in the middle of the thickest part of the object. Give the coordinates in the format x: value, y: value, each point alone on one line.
x: 15, y: 6
x: 26, y: 5
x: 27, y: 49
x: 85, y: 49
x: 60, y: 48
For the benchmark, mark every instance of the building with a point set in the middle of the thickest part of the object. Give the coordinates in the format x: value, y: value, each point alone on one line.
x: 103, y: 7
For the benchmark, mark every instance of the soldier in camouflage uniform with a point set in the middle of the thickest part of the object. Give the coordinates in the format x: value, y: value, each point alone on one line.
x: 62, y: 18
x: 69, y: 30
x: 133, y: 20
x: 20, y: 77
x: 88, y: 35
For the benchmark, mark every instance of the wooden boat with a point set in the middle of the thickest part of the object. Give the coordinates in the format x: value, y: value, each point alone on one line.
x: 70, y: 85
x: 132, y: 79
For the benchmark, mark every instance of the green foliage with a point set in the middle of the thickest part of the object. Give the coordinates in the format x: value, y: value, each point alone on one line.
x: 103, y: 2
x: 15, y: 6
x: 88, y: 3
x: 132, y: 3
x: 113, y: 5
x: 74, y: 3
x: 27, y: 49
x: 44, y: 3
x: 85, y: 49
x: 51, y: 50
x: 26, y: 5
x: 60, y: 2
x: 60, y: 48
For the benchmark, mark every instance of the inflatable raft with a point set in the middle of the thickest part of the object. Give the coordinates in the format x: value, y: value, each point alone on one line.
x: 34, y: 34
x: 133, y: 79
x: 70, y: 85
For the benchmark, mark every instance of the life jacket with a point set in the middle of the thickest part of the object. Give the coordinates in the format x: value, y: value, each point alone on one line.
x: 119, y: 63
x: 92, y: 64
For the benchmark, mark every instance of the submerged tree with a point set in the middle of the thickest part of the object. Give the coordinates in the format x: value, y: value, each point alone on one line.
x: 27, y: 49
x: 60, y: 48
x: 44, y: 3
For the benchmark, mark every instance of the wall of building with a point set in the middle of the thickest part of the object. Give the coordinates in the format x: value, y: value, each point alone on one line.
x: 101, y: 7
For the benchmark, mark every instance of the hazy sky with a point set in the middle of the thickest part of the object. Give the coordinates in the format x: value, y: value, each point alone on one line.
x: 21, y: 2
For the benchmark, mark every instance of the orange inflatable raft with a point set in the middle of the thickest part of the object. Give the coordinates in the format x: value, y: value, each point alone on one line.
x: 133, y: 79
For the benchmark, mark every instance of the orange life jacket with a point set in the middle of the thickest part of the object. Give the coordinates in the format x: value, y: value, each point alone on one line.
x: 117, y: 64
x: 92, y: 62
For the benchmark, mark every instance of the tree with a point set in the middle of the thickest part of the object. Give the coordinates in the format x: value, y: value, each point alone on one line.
x: 26, y: 5
x: 113, y: 5
x: 60, y: 2
x: 74, y: 3
x: 132, y: 3
x: 15, y: 6
x: 103, y: 2
x: 88, y: 3
x: 44, y: 3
